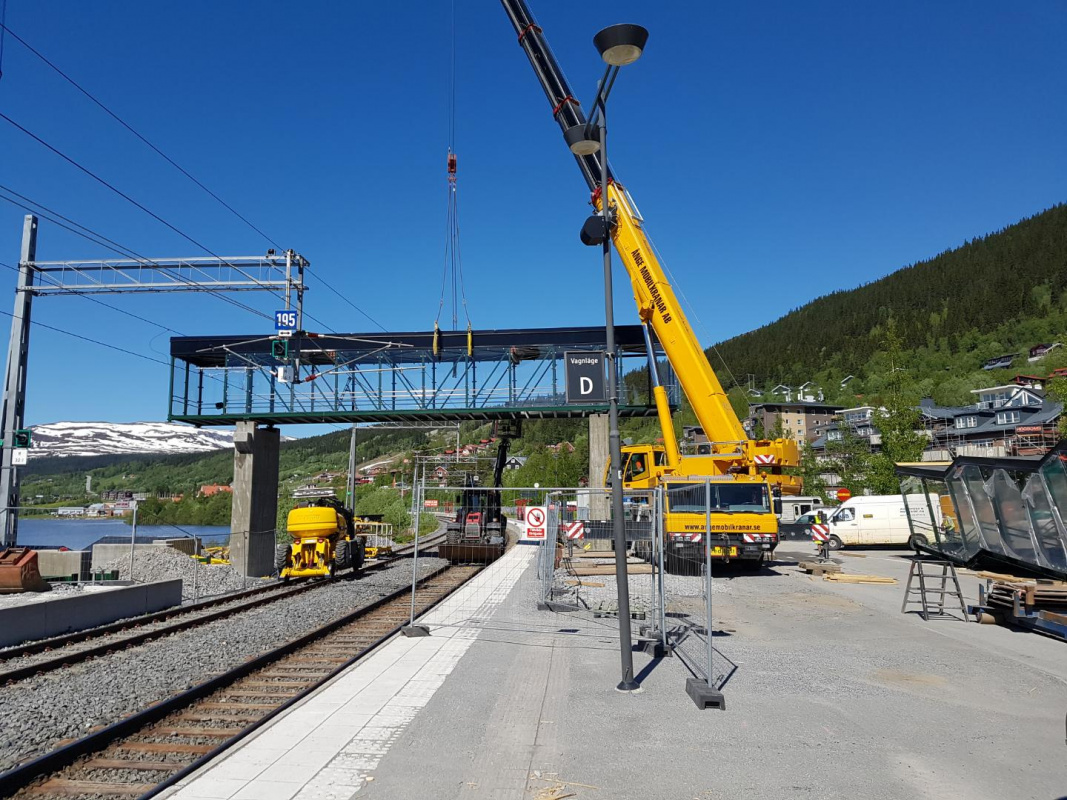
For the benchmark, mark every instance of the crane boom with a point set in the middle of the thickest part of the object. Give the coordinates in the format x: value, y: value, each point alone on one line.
x: 657, y: 304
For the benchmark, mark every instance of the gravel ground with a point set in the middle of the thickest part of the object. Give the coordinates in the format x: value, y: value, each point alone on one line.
x: 165, y: 563
x: 40, y: 711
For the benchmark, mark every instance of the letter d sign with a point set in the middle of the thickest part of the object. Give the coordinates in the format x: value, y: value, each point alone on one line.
x: 585, y: 385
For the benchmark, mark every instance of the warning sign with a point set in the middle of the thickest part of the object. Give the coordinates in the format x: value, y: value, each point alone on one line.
x: 429, y: 504
x: 535, y: 522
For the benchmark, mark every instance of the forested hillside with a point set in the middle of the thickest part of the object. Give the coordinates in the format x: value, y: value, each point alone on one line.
x: 993, y: 295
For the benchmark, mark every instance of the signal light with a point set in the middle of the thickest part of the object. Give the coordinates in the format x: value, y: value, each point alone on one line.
x: 23, y: 437
x: 279, y: 348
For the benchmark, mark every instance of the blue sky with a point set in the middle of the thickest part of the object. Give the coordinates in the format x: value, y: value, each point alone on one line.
x: 778, y: 151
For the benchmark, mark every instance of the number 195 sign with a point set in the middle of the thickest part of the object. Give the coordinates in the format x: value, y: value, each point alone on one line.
x: 285, y: 320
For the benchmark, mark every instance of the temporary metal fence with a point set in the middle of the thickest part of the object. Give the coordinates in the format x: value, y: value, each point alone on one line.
x: 688, y: 589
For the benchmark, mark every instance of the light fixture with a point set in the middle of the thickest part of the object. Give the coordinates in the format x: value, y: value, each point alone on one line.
x: 582, y: 140
x: 622, y: 44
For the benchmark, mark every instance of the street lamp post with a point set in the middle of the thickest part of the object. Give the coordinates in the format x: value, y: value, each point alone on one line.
x: 619, y: 45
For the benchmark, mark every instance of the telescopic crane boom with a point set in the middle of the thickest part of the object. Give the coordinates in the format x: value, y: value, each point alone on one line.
x: 732, y: 451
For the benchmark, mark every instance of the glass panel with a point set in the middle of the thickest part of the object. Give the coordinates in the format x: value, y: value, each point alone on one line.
x: 967, y: 528
x: 1056, y: 479
x: 1051, y: 539
x: 1014, y: 521
x: 982, y: 505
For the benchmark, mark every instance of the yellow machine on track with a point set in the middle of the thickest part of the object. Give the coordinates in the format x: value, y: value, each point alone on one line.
x: 324, y: 541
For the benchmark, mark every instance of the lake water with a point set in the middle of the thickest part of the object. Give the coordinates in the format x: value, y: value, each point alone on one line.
x: 79, y: 534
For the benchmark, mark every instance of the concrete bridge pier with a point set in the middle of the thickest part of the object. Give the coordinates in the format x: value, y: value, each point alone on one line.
x: 599, y: 456
x: 255, y: 499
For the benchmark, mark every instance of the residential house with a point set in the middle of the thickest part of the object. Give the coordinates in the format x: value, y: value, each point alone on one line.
x: 783, y: 391
x: 1039, y: 351
x: 1000, y: 362
x: 804, y: 420
x: 514, y: 462
x: 1010, y: 420
x: 209, y: 489
x: 860, y: 420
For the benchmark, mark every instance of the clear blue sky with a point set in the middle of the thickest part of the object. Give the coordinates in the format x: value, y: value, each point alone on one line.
x: 778, y: 151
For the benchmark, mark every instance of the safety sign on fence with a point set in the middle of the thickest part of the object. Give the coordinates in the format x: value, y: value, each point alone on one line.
x: 535, y: 522
x: 573, y: 530
x: 429, y: 503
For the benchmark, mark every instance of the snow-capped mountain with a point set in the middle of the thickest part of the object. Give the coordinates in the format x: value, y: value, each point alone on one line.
x: 111, y: 438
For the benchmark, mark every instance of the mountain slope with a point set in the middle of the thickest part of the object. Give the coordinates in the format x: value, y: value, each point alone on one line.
x: 114, y: 438
x: 947, y: 303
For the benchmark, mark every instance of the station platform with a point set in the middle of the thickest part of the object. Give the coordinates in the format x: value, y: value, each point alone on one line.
x: 835, y: 695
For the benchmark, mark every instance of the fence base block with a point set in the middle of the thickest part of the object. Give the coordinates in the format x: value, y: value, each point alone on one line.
x: 551, y: 606
x: 703, y: 695
x: 415, y: 630
x: 654, y: 648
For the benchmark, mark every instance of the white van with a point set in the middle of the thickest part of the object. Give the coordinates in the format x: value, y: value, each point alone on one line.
x: 879, y: 519
x: 790, y: 509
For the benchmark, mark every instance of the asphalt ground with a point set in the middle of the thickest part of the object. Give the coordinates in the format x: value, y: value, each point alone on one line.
x: 836, y: 694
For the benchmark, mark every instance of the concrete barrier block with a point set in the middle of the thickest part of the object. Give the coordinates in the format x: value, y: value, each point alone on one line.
x: 96, y: 605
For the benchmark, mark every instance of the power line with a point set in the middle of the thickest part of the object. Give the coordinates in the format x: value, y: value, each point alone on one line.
x: 91, y: 340
x: 99, y: 239
x: 130, y: 128
x: 357, y: 308
x: 173, y: 163
x: 141, y: 206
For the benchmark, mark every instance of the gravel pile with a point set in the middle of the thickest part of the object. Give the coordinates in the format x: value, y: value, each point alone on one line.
x: 162, y: 563
x: 40, y: 711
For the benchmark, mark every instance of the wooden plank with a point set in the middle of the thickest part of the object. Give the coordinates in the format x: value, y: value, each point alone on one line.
x: 631, y: 569
x: 260, y: 693
x: 596, y: 584
x: 63, y: 786
x: 167, y: 747
x: 237, y: 706
x: 845, y: 578
x: 214, y: 733
x: 123, y: 763
x: 281, y: 683
x: 200, y: 716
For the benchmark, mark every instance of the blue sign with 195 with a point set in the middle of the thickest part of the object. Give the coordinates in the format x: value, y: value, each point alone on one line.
x: 285, y: 320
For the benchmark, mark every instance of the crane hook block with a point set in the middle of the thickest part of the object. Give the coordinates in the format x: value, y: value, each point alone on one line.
x: 451, y: 163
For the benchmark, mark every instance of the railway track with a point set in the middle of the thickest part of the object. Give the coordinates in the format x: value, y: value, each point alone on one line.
x: 48, y: 655
x: 146, y: 752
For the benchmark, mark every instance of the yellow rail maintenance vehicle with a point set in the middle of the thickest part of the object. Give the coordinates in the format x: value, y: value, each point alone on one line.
x: 325, y: 538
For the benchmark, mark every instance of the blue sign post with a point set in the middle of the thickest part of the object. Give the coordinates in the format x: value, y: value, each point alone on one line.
x: 285, y: 321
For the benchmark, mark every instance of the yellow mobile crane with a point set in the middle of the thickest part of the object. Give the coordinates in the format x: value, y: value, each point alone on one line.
x: 744, y: 472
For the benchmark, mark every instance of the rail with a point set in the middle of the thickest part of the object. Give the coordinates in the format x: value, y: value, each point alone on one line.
x: 262, y: 595
x: 59, y: 772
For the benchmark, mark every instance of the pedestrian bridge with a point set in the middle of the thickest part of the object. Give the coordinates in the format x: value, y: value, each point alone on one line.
x: 390, y: 377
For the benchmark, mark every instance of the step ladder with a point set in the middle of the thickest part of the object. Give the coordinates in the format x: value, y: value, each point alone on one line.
x: 933, y: 589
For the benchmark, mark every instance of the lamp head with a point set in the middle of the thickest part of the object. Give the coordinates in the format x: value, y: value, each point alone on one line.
x: 621, y: 44
x: 582, y: 140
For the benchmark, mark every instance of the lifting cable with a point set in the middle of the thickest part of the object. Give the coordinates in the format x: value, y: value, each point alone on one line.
x: 452, y: 271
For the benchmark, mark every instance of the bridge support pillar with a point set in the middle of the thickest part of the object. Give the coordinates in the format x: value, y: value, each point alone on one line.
x: 599, y: 502
x: 255, y: 499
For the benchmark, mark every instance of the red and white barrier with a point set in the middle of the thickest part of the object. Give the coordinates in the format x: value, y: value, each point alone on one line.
x: 573, y: 530
x: 820, y: 532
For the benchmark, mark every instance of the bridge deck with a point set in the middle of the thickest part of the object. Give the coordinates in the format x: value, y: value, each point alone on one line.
x: 388, y: 377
